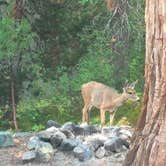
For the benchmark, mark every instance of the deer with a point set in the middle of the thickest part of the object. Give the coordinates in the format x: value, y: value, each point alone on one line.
x: 105, y: 98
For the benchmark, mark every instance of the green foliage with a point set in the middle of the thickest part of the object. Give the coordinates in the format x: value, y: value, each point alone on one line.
x: 14, y: 39
x: 79, y: 41
x: 17, y: 55
x: 88, y: 1
x: 94, y: 65
x: 38, y: 127
x: 128, y: 114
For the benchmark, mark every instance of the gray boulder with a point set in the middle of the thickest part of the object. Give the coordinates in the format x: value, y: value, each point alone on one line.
x: 118, y: 158
x: 28, y: 156
x: 114, y: 144
x: 33, y: 142
x: 78, y: 130
x: 68, y: 144
x: 69, y: 126
x: 46, y: 135
x: 82, y: 152
x: 125, y: 133
x: 95, y: 141
x: 94, y: 144
x: 110, y: 131
x: 44, y: 151
x: 6, y: 139
x: 57, y: 139
x: 51, y: 123
x: 67, y: 132
x: 100, y: 152
x: 52, y: 129
x: 89, y: 129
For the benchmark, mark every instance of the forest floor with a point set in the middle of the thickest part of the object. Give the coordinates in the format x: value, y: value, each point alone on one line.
x: 11, y: 156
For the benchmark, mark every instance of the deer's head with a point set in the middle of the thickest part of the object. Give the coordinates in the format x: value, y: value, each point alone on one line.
x: 130, y: 92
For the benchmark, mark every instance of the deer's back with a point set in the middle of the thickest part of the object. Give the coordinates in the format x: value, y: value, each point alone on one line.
x: 96, y: 93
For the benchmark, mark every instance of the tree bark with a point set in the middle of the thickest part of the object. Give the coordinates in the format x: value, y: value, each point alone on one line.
x: 14, y: 105
x: 148, y: 147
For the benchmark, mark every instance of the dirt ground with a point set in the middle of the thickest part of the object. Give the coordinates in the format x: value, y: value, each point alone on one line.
x: 11, y: 156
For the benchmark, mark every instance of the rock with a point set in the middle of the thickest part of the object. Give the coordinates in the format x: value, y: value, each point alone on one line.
x: 108, y: 153
x: 67, y: 132
x: 52, y: 123
x: 22, y: 134
x: 110, y: 131
x: 118, y: 157
x: 44, y: 151
x: 52, y: 129
x: 78, y: 130
x: 82, y: 152
x: 125, y: 148
x: 100, y: 153
x: 95, y: 144
x: 68, y: 144
x: 57, y: 139
x: 33, y: 142
x: 46, y: 135
x: 96, y: 129
x: 69, y: 126
x: 95, y: 141
x: 28, y: 156
x: 125, y: 134
x: 114, y: 144
x: 126, y: 144
x: 89, y: 129
x: 6, y: 139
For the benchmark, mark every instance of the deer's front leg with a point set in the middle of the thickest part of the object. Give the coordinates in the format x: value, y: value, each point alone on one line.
x: 102, y: 115
x: 112, y: 114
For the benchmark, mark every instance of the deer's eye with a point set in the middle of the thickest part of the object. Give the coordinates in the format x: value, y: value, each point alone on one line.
x: 130, y: 93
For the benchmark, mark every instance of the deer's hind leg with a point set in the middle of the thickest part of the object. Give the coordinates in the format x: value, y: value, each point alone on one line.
x: 102, y: 116
x: 88, y: 114
x: 85, y: 114
x: 112, y: 114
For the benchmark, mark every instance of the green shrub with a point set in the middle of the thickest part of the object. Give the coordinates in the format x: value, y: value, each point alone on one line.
x: 128, y: 114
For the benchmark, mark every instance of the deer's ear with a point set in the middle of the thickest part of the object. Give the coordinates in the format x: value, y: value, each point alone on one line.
x: 133, y: 84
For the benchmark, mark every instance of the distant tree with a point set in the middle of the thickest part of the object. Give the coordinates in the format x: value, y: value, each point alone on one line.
x: 148, y: 147
x: 17, y: 47
x: 18, y: 14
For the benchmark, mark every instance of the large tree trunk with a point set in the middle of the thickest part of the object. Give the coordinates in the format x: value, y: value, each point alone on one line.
x: 148, y: 146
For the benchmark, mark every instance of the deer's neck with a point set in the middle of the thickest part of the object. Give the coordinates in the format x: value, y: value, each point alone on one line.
x: 120, y: 100
x: 116, y: 102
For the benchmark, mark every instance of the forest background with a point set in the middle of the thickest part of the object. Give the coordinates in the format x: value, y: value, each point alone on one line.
x: 56, y: 46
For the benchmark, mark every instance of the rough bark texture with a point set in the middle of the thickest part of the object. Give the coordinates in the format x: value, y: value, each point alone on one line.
x: 110, y: 4
x: 18, y: 10
x: 149, y: 140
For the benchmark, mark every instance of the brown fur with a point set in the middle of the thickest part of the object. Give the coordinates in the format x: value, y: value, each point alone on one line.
x: 104, y: 98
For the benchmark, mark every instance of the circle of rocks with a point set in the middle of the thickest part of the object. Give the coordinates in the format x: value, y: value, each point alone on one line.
x: 83, y: 141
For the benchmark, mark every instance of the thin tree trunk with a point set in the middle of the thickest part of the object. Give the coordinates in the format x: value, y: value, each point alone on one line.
x: 13, y: 104
x: 17, y: 14
x: 148, y: 146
